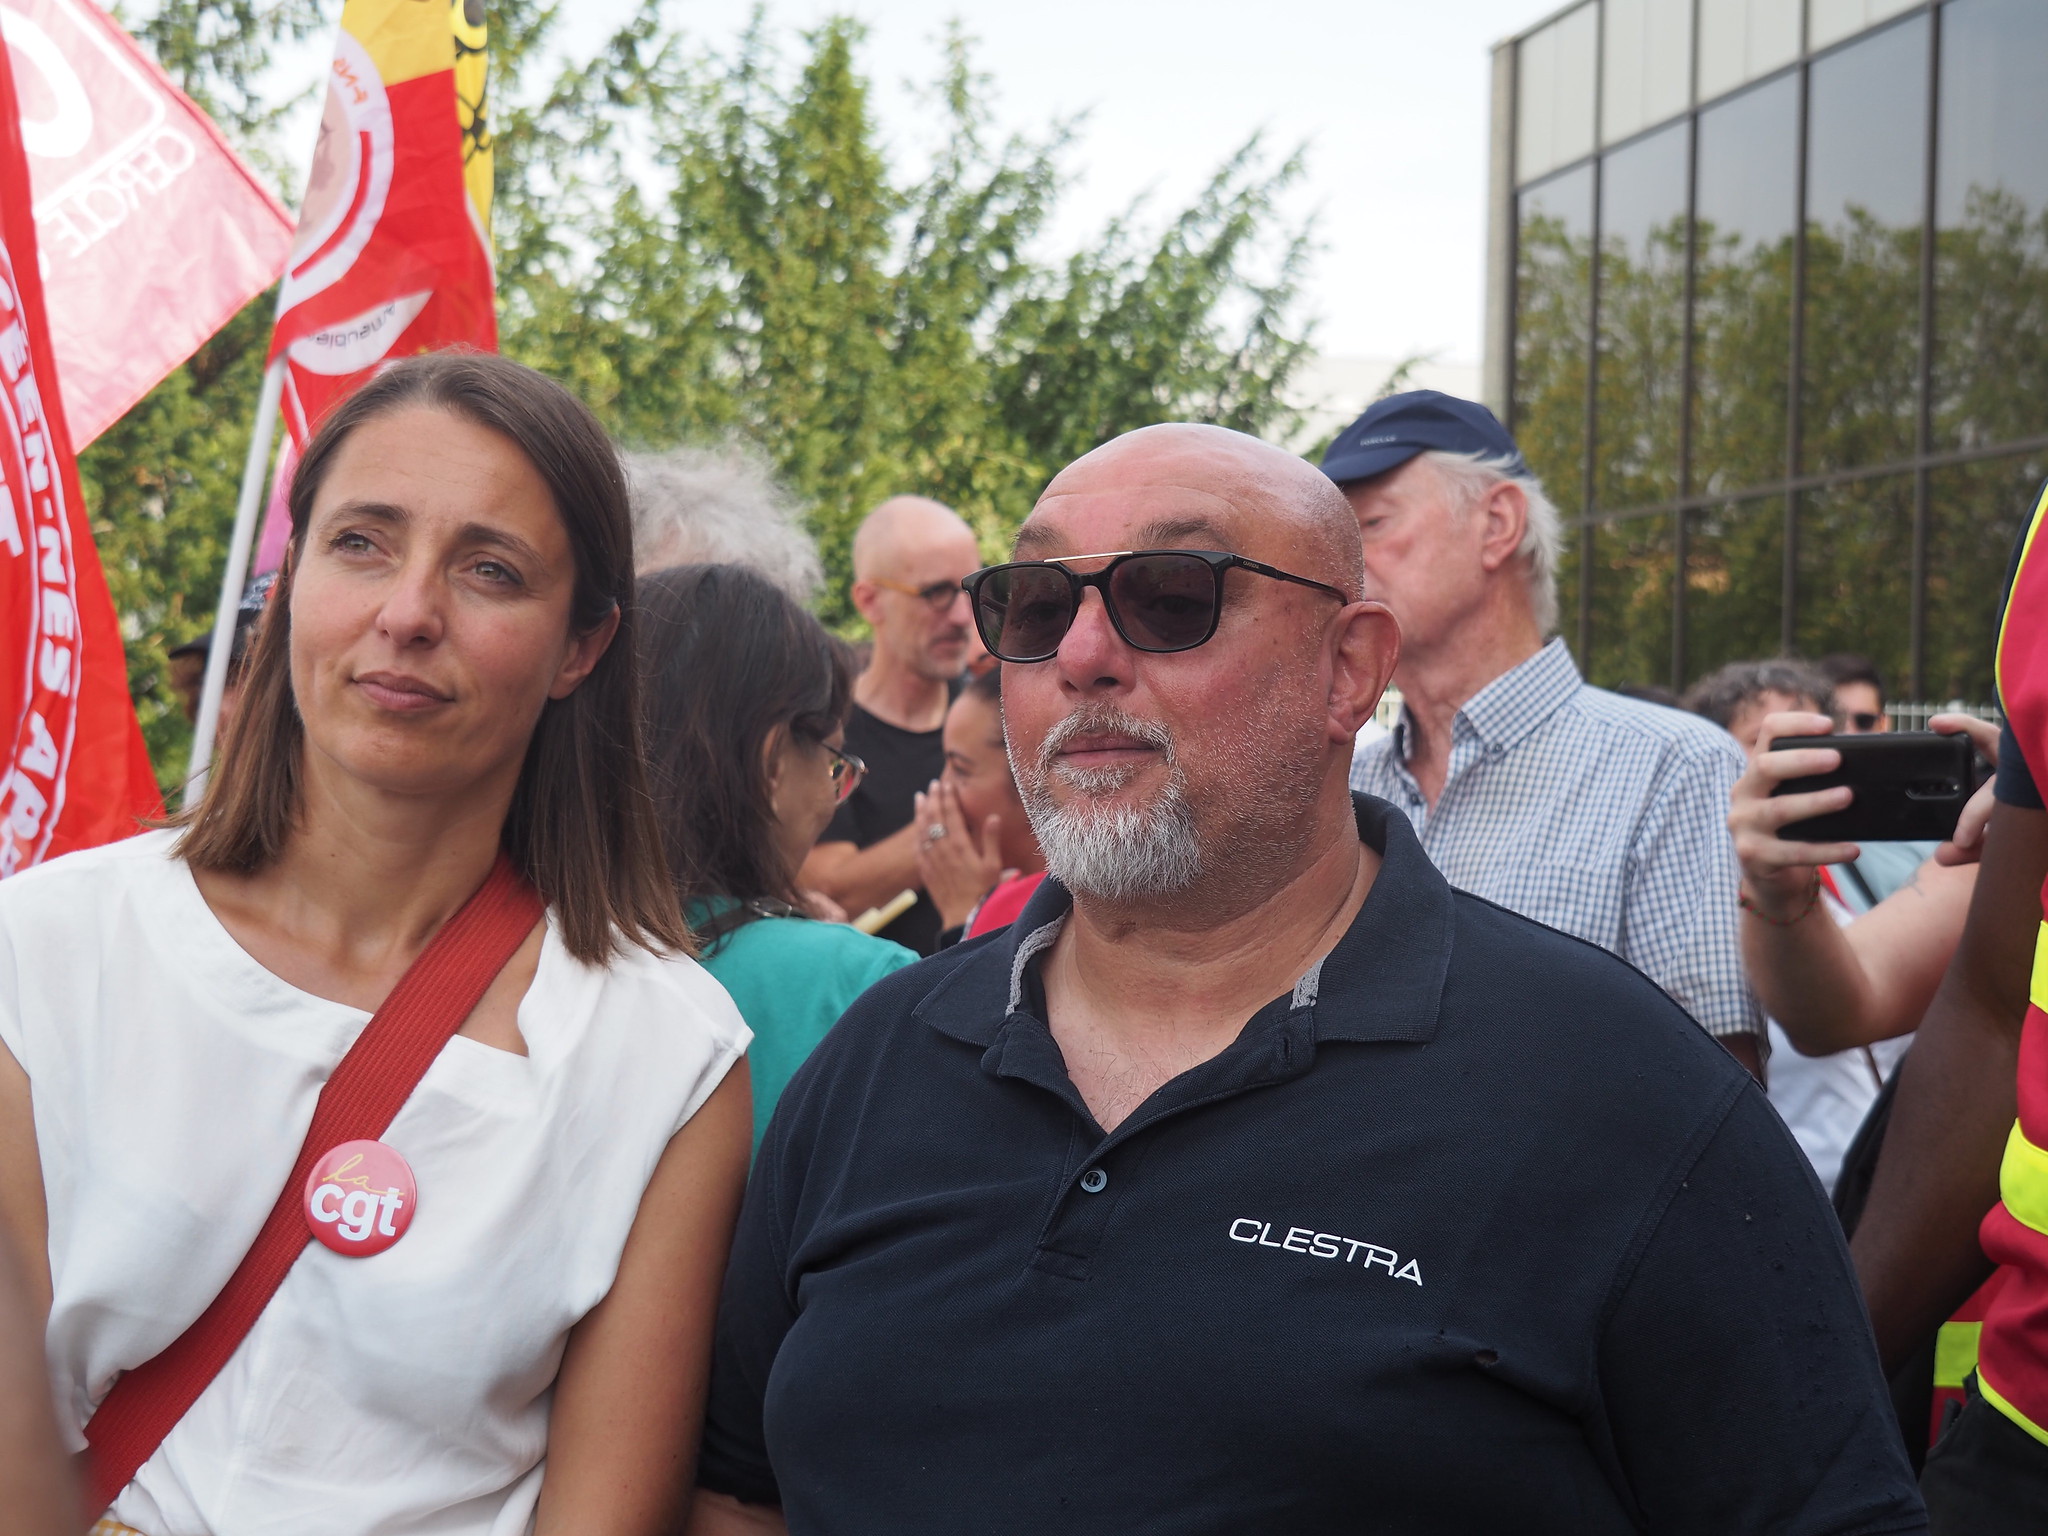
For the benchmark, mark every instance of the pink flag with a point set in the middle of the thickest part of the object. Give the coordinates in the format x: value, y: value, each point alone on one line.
x: 73, y: 771
x: 153, y: 231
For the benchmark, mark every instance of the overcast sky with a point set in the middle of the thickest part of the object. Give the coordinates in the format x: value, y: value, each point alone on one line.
x: 1389, y: 95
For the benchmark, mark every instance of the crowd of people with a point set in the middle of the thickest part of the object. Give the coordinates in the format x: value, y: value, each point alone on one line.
x: 604, y: 1055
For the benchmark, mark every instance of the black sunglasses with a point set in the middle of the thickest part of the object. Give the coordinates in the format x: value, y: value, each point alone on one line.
x: 1160, y: 600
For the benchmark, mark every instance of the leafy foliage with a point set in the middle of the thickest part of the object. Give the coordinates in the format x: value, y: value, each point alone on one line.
x: 160, y: 484
x: 711, y: 248
x: 763, y: 271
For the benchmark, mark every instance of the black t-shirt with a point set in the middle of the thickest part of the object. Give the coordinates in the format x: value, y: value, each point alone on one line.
x: 1474, y: 1231
x: 900, y: 764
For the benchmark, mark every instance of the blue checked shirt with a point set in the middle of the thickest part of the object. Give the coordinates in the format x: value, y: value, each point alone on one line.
x: 1596, y: 814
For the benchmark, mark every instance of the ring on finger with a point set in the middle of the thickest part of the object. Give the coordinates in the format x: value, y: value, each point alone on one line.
x: 935, y: 832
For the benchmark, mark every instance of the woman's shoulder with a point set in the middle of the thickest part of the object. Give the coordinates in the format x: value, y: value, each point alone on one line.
x: 661, y: 985
x: 835, y: 949
x: 57, y: 889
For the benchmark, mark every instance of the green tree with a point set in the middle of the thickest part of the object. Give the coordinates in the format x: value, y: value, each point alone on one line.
x: 706, y: 248
x: 759, y: 269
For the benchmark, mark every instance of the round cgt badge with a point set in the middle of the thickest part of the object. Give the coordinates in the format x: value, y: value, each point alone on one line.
x: 360, y: 1198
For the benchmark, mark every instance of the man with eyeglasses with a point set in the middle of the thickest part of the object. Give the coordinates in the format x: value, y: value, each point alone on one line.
x: 1597, y: 814
x: 1255, y: 1180
x: 909, y: 557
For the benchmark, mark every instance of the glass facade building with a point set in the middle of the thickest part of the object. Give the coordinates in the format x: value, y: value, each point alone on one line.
x: 1768, y: 311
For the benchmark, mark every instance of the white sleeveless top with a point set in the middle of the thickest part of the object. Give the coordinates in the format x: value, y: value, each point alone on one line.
x: 174, y: 1079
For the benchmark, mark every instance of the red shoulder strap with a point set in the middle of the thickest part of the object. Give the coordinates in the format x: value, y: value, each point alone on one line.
x: 369, y: 1086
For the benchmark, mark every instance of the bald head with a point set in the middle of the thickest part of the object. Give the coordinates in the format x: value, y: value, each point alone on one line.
x: 909, y: 557
x: 1209, y: 775
x: 1187, y: 483
x: 901, y: 529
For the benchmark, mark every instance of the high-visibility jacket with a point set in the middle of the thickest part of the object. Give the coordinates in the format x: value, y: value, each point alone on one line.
x: 2012, y: 1352
x: 1955, y: 1353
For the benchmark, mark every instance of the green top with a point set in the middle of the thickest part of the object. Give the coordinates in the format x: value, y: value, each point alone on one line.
x: 791, y: 978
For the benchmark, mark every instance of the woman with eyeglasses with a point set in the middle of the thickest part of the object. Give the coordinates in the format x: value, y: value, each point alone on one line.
x: 747, y: 698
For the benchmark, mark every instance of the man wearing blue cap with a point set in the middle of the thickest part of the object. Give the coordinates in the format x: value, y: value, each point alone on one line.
x: 1603, y: 816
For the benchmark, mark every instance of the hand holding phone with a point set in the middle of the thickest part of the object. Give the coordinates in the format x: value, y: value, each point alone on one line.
x: 1907, y: 786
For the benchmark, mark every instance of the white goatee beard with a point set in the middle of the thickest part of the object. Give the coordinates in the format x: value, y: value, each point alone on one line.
x: 1114, y: 854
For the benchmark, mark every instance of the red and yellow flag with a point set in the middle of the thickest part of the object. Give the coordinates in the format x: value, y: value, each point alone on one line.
x: 393, y: 249
x: 73, y: 769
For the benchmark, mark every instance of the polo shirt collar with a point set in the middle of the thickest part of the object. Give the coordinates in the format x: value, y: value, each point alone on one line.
x: 1382, y: 982
x: 1521, y: 699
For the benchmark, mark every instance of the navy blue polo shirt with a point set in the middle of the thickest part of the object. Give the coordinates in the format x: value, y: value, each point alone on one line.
x: 1474, y: 1231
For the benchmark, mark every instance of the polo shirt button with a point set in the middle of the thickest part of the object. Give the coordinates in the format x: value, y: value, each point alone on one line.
x: 1095, y: 1181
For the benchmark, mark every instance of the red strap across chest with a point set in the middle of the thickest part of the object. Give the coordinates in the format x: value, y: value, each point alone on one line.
x: 369, y: 1086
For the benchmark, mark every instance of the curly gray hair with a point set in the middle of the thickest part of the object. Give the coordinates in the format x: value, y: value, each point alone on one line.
x: 1723, y: 693
x: 699, y: 506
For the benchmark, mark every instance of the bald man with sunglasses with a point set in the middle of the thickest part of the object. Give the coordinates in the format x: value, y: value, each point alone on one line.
x: 1254, y: 1179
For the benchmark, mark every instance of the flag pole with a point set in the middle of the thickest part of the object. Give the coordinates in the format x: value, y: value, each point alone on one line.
x: 220, y: 650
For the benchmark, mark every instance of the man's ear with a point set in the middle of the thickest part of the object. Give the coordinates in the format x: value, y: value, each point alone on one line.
x: 866, y: 598
x: 1505, y: 515
x: 585, y: 652
x: 1366, y: 647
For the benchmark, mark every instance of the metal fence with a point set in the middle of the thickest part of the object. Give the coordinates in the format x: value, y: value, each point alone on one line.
x: 1914, y: 717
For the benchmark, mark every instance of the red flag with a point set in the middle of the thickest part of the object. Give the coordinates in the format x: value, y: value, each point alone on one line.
x: 73, y: 770
x: 153, y: 230
x: 391, y: 256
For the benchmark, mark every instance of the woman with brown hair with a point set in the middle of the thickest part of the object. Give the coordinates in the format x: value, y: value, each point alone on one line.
x: 747, y: 698
x: 431, y: 815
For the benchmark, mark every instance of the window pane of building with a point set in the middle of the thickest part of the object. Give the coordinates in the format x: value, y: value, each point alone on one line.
x: 1991, y: 210
x: 1744, y: 40
x: 1865, y: 189
x: 1975, y: 513
x: 1856, y: 571
x: 1734, y: 576
x: 1747, y: 212
x: 1642, y: 320
x: 1829, y: 21
x: 1554, y: 93
x: 1646, y: 70
x: 1553, y: 320
x: 1632, y: 572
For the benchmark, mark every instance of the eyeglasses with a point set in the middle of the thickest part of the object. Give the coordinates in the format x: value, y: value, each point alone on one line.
x: 938, y: 596
x: 1159, y: 600
x: 847, y: 771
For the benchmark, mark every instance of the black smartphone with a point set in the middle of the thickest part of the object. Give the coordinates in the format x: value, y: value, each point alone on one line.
x: 1911, y: 786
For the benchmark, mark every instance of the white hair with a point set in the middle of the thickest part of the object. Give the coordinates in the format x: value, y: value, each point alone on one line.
x: 698, y: 506
x: 1467, y: 477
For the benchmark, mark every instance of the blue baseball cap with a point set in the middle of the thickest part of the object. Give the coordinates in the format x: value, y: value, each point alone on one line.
x: 1394, y: 430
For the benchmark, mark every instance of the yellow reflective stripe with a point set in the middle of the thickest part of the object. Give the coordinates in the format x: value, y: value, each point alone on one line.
x: 1955, y: 1352
x: 1998, y: 1400
x: 2037, y: 985
x: 2019, y: 572
x: 2023, y: 1181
